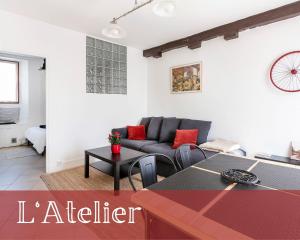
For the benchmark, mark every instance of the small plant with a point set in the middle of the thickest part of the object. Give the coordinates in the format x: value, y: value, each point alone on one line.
x: 115, y: 138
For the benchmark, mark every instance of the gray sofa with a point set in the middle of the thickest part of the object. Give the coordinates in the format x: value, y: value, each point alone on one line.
x: 160, y: 134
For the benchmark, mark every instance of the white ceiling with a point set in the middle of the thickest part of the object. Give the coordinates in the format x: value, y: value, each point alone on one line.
x: 144, y: 29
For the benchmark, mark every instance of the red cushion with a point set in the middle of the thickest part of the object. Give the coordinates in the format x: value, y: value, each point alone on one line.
x: 185, y: 137
x: 136, y: 132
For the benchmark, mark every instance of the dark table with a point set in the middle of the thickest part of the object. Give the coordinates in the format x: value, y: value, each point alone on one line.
x: 197, y: 203
x: 115, y: 165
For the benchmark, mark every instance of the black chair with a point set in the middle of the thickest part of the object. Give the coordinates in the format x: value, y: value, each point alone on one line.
x: 148, y: 169
x: 183, y: 155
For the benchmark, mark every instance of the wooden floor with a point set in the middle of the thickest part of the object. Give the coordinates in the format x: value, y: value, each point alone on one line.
x: 21, y: 168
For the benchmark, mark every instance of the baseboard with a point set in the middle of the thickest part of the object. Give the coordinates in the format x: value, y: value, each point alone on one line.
x: 73, y: 163
x: 61, y: 166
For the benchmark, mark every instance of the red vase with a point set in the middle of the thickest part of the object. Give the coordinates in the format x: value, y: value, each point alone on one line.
x: 116, y: 149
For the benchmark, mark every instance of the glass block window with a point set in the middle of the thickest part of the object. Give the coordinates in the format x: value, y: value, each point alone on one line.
x: 106, y: 67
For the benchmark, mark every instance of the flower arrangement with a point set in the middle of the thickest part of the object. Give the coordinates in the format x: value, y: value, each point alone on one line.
x: 115, y: 138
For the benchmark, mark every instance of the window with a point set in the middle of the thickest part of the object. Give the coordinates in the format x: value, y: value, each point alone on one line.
x: 9, y: 82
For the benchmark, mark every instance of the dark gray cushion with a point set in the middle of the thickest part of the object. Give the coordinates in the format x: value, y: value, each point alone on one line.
x: 154, y: 128
x: 146, y: 122
x: 168, y: 129
x: 122, y: 131
x: 163, y: 148
x: 202, y: 126
x: 136, y: 144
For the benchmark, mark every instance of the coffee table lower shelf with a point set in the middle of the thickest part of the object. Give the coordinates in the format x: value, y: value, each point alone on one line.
x: 109, y: 169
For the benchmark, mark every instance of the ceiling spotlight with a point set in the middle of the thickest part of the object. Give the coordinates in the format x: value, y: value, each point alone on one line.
x: 116, y: 31
x: 162, y: 8
x: 165, y: 8
x: 113, y: 30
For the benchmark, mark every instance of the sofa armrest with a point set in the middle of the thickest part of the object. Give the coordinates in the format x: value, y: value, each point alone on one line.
x: 122, y: 131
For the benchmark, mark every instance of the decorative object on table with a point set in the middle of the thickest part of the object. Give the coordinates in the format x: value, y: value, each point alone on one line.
x: 186, y: 78
x: 106, y: 67
x: 240, y: 176
x: 162, y: 8
x: 115, y: 141
x: 221, y: 145
x: 295, y: 151
x: 285, y: 72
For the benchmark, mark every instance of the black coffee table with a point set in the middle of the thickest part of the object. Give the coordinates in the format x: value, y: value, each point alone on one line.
x: 115, y: 165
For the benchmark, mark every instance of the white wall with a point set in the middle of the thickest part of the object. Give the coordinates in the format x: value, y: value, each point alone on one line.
x: 75, y: 120
x: 237, y: 94
x: 37, y: 92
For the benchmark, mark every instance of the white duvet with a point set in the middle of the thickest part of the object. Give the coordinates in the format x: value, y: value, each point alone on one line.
x: 37, y: 136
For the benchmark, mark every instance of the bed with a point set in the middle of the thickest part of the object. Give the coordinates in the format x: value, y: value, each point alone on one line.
x: 37, y: 136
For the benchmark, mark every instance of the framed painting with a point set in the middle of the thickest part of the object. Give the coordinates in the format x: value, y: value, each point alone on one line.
x: 186, y: 78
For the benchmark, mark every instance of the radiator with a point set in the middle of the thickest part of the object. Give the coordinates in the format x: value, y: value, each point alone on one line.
x: 9, y: 115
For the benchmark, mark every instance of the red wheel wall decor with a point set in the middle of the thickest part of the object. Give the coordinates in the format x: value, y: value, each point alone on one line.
x: 285, y: 72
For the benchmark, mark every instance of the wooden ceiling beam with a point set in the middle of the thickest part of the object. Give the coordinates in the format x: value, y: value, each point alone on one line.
x: 230, y: 36
x: 228, y: 31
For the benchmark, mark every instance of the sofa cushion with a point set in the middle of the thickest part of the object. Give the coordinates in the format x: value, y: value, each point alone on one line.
x: 122, y: 131
x: 185, y: 137
x: 202, y: 126
x: 168, y: 129
x: 136, y: 144
x: 162, y: 148
x: 154, y: 128
x: 146, y: 122
x: 136, y: 132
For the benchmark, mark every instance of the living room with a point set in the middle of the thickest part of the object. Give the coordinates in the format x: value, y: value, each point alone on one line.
x: 238, y: 89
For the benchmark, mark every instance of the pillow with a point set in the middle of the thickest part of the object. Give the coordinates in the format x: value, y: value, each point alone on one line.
x: 185, y: 137
x: 221, y: 145
x: 154, y: 128
x: 146, y: 122
x: 136, y: 132
x: 168, y: 129
x: 202, y: 126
